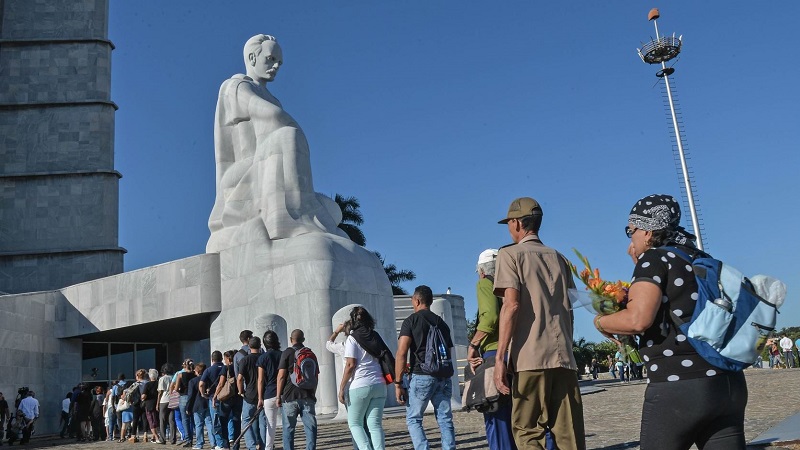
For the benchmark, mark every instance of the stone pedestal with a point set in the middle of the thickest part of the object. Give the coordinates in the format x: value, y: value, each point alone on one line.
x: 300, y: 282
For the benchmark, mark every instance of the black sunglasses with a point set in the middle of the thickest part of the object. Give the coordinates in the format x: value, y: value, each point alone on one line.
x: 629, y: 232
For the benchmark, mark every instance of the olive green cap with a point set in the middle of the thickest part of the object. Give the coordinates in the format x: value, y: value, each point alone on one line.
x: 522, y: 207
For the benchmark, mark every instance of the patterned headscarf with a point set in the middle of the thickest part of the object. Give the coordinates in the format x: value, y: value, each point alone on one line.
x: 661, y: 212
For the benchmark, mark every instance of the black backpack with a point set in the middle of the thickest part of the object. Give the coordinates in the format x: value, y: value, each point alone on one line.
x: 437, y: 362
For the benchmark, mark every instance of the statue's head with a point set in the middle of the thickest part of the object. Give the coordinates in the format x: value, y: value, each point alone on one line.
x: 262, y: 57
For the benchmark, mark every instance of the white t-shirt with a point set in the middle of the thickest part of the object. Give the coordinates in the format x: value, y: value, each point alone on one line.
x: 368, y: 371
x: 163, y: 385
x: 786, y: 344
x: 65, y: 405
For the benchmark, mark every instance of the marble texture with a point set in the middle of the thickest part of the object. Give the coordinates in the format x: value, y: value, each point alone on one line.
x: 33, y: 353
x: 58, y: 186
x: 301, y: 282
x: 180, y: 288
x: 263, y: 163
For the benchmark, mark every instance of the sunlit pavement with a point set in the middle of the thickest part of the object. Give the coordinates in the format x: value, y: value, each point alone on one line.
x: 612, y: 418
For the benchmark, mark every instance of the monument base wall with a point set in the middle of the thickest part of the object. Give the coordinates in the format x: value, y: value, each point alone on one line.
x: 33, y: 356
x: 300, y: 283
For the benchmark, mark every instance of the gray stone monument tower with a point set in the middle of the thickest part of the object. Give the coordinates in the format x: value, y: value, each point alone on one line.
x: 59, y: 191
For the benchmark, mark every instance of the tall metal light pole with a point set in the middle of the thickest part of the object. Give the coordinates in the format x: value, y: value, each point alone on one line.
x: 659, y: 51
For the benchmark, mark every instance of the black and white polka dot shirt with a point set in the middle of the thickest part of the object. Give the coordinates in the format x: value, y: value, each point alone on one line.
x: 667, y: 354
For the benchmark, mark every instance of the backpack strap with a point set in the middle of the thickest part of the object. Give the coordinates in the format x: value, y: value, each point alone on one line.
x: 690, y: 259
x: 679, y: 252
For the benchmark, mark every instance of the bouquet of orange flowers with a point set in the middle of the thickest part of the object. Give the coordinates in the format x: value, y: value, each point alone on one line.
x: 605, y: 297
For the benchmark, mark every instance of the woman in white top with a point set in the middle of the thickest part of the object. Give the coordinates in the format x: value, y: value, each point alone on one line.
x: 367, y: 387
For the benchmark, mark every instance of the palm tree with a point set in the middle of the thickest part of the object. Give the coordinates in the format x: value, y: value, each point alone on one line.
x: 584, y: 352
x: 396, y: 276
x: 351, y: 218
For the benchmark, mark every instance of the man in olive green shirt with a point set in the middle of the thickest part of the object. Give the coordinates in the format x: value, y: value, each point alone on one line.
x: 483, y: 347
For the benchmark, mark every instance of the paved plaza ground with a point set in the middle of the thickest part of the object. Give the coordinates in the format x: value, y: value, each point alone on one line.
x: 612, y: 418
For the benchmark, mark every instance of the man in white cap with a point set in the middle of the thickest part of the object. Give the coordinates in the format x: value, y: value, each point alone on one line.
x: 483, y: 346
x: 533, y: 280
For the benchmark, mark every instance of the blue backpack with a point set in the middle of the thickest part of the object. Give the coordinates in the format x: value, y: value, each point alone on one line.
x: 437, y: 362
x: 731, y: 323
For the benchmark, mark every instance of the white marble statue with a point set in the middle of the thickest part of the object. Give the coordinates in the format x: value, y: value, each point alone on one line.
x: 283, y: 262
x: 264, y: 186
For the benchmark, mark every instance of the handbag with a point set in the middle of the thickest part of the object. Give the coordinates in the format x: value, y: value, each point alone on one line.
x: 227, y: 390
x: 480, y: 393
x: 174, y: 400
x: 123, y: 405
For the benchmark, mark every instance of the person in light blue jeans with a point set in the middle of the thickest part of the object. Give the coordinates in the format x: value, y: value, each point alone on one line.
x: 295, y: 400
x: 254, y: 437
x: 247, y: 384
x: 367, y: 402
x: 423, y: 389
x: 363, y: 380
x: 198, y: 407
x: 304, y: 407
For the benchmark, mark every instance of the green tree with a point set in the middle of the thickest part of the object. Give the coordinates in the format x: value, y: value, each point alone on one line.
x: 584, y: 352
x: 351, y: 218
x: 396, y: 276
x: 603, y: 349
x: 472, y: 327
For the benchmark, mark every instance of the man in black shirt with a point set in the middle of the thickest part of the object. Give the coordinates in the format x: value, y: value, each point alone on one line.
x: 423, y: 387
x: 294, y: 400
x: 207, y: 386
x: 247, y: 382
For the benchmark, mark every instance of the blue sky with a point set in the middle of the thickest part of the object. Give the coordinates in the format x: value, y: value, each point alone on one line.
x: 436, y: 115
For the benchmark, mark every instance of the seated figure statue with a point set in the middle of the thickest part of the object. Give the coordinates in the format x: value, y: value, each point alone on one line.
x: 264, y: 186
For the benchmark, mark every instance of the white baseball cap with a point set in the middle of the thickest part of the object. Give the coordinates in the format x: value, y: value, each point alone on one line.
x: 487, y: 255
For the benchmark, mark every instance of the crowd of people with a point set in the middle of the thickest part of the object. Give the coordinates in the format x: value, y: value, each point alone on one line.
x: 524, y: 331
x: 19, y: 426
x: 781, y: 353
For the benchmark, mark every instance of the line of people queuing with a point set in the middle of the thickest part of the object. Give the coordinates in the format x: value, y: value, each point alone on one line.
x: 18, y: 426
x: 524, y: 328
x: 268, y: 380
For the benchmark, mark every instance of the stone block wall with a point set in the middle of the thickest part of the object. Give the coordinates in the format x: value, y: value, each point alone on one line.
x: 176, y: 289
x: 34, y: 357
x: 59, y: 191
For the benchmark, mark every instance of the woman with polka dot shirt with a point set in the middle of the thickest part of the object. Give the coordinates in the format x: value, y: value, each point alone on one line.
x: 687, y: 401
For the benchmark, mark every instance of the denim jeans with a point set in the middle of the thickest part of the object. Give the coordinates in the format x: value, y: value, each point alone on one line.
x: 254, y: 437
x: 305, y: 409
x: 186, y: 418
x: 64, y: 421
x: 422, y: 389
x: 212, y: 412
x: 222, y: 415
x: 366, y: 404
x: 498, y: 424
x: 202, y: 422
x: 234, y: 420
x: 176, y: 414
